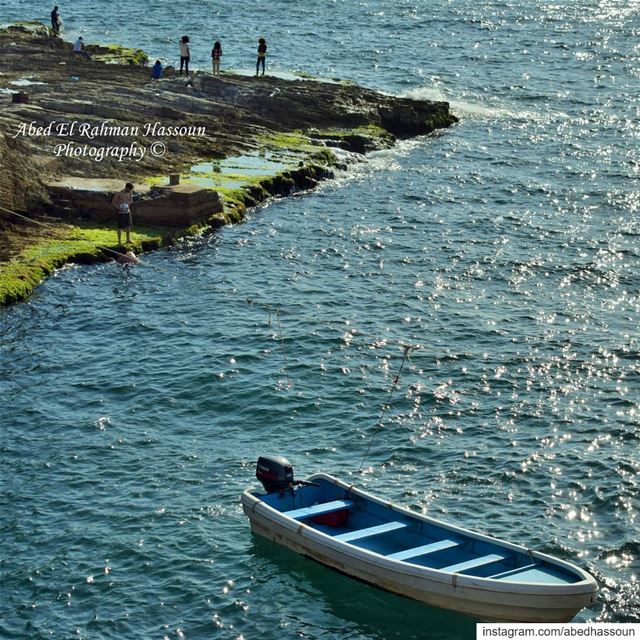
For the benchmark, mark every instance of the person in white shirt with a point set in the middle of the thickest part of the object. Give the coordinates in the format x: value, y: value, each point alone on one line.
x: 79, y: 47
x: 185, y: 55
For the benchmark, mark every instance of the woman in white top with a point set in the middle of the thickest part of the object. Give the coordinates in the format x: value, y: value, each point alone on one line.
x: 185, y: 55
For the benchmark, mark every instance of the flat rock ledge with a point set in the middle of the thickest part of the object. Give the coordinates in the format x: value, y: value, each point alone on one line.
x: 199, y: 150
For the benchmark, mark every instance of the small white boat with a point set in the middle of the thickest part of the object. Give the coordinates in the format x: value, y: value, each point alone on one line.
x: 412, y: 555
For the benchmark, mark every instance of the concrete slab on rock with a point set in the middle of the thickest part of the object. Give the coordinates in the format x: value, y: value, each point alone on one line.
x: 167, y: 205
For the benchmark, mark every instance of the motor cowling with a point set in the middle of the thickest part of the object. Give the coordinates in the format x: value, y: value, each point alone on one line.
x: 275, y: 473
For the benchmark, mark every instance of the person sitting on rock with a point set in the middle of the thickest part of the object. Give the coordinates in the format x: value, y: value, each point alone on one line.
x: 156, y: 70
x: 56, y: 22
x: 216, y: 54
x: 121, y: 202
x: 185, y: 55
x: 262, y: 54
x: 79, y: 47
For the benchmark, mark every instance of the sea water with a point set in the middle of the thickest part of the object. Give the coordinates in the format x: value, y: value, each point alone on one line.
x: 135, y: 401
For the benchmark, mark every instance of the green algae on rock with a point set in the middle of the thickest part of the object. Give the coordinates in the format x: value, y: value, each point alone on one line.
x: 117, y: 54
x: 63, y: 244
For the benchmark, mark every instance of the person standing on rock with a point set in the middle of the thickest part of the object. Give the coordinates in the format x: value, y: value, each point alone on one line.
x: 56, y: 22
x: 262, y: 54
x: 122, y: 204
x: 216, y: 54
x: 185, y: 55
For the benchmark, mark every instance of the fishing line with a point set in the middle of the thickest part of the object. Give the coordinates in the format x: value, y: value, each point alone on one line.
x: 275, y: 309
x: 406, y: 351
x: 257, y: 303
x: 284, y: 351
x: 51, y: 226
x: 269, y: 307
x: 42, y: 224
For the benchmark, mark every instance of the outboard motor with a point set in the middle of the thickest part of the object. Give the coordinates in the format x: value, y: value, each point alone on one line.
x: 275, y: 473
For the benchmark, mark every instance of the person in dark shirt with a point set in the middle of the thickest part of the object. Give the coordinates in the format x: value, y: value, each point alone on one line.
x: 262, y: 54
x: 216, y: 54
x: 156, y: 70
x: 55, y: 21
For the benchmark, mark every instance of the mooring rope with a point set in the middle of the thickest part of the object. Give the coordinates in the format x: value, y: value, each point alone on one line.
x: 406, y: 351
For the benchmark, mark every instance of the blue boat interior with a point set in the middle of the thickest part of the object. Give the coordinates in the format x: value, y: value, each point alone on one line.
x: 366, y: 524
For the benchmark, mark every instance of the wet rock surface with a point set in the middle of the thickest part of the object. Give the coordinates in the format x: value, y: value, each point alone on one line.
x: 73, y: 130
x: 235, y: 112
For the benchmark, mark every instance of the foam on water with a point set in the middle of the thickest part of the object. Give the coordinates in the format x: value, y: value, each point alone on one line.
x: 470, y: 109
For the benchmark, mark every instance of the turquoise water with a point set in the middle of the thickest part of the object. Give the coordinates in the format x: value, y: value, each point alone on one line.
x: 136, y: 400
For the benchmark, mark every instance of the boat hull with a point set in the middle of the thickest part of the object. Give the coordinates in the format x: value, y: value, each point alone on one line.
x: 482, y: 599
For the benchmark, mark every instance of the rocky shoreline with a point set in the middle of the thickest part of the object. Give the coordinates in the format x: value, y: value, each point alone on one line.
x: 199, y: 150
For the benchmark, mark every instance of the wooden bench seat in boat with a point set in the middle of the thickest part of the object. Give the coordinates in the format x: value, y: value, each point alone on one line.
x: 474, y: 563
x: 423, y: 550
x: 370, y: 531
x: 319, y: 509
x: 511, y: 572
